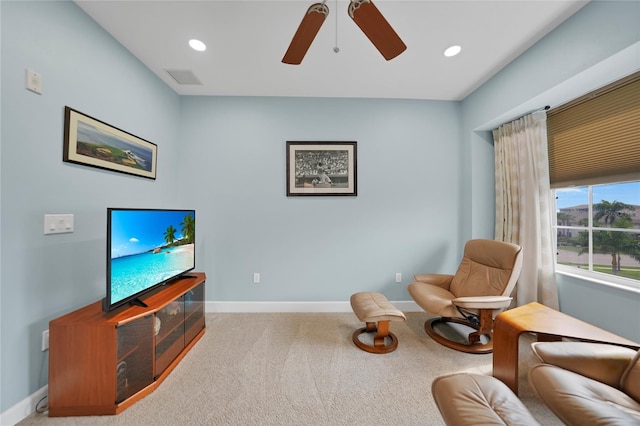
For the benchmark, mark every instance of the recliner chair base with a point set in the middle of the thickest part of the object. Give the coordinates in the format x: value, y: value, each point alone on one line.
x: 475, y: 345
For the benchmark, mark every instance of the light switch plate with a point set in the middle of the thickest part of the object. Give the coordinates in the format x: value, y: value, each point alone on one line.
x: 58, y: 223
x: 34, y: 82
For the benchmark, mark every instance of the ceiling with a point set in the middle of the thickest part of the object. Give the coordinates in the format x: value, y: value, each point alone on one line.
x: 247, y: 39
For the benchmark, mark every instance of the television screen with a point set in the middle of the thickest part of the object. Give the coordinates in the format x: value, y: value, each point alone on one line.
x: 146, y: 248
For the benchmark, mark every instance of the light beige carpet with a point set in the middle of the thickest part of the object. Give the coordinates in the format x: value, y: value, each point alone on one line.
x: 303, y: 369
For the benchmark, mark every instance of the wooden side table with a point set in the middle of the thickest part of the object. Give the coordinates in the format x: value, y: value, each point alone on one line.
x: 549, y: 325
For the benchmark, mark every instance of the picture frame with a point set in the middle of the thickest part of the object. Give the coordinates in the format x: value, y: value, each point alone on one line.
x: 322, y: 168
x: 94, y: 143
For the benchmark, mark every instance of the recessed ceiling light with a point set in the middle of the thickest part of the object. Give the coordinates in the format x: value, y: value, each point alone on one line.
x: 452, y: 51
x: 197, y: 45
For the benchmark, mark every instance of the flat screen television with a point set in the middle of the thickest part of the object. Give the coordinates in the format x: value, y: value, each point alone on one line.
x: 146, y: 248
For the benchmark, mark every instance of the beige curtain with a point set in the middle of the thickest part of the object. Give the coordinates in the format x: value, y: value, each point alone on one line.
x: 523, y: 204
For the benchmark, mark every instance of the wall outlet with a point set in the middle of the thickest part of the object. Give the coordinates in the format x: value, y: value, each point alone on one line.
x: 256, y: 277
x: 45, y: 340
x: 398, y: 277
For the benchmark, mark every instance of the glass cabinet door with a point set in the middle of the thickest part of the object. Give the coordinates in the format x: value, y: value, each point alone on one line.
x: 169, y: 333
x: 193, y: 312
x: 134, y: 366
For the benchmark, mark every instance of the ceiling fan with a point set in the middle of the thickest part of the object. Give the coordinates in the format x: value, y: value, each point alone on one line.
x: 363, y: 12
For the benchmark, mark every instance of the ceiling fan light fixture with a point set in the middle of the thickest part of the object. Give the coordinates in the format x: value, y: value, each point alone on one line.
x: 306, y: 33
x: 452, y: 51
x: 197, y: 45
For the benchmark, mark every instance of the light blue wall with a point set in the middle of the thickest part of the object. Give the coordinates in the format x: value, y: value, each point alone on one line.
x: 320, y: 248
x: 593, y: 34
x: 613, y: 309
x: 425, y: 176
x: 82, y: 67
x: 228, y: 162
x: 596, y: 46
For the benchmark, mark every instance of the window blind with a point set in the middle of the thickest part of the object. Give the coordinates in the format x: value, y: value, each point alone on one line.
x: 596, y: 138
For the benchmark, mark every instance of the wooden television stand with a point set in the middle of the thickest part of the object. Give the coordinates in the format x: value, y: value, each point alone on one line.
x: 101, y: 363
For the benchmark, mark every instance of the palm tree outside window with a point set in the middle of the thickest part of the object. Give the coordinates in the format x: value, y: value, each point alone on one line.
x: 598, y: 229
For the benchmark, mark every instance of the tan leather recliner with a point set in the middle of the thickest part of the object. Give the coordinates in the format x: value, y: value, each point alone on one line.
x: 581, y: 383
x: 588, y: 383
x: 475, y: 399
x: 480, y: 290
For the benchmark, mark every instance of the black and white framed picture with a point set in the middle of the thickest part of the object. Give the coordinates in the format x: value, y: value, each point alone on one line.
x: 321, y: 168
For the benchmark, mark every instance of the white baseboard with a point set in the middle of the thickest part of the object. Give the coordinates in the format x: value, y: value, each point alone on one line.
x: 242, y: 307
x: 22, y: 409
x: 27, y: 406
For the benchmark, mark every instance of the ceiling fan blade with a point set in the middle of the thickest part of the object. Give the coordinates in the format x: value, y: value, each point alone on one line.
x: 367, y: 16
x: 302, y: 39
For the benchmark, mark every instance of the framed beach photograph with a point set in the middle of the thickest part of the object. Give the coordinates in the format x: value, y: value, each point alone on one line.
x: 91, y: 142
x: 321, y: 168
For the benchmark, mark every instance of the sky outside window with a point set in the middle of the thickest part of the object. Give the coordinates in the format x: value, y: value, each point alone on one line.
x: 628, y: 193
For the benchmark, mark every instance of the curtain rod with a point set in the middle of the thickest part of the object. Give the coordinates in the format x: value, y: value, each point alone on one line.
x: 544, y: 108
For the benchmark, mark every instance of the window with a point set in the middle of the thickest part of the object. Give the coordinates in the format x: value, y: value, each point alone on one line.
x: 594, y: 170
x: 598, y: 231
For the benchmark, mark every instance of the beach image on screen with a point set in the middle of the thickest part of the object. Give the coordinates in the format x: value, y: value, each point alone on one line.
x: 149, y: 247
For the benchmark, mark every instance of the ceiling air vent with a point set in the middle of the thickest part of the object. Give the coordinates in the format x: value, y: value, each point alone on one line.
x: 184, y: 77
